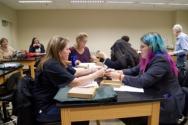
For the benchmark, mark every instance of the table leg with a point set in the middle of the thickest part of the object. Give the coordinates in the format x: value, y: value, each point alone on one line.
x: 32, y: 68
x: 65, y: 117
x: 154, y: 118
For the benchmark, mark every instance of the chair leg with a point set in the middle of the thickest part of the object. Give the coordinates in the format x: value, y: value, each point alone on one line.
x: 5, y: 119
x: 98, y: 122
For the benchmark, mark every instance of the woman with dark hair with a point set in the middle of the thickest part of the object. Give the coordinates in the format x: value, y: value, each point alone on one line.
x: 125, y: 38
x: 122, y: 55
x: 36, y: 46
x: 54, y: 73
x: 156, y: 72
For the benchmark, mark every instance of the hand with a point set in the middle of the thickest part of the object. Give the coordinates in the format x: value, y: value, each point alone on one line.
x: 171, y: 53
x: 77, y: 62
x: 100, y: 73
x: 100, y: 54
x: 114, y: 75
x: 110, y: 70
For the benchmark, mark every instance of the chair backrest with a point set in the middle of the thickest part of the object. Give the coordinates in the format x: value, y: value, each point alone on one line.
x: 24, y: 102
x: 12, y: 81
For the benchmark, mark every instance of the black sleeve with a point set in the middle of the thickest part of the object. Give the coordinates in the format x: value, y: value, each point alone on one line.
x: 154, y: 73
x: 132, y: 71
x: 58, y: 75
x: 71, y: 69
x: 31, y: 49
x: 42, y: 48
x: 112, y: 64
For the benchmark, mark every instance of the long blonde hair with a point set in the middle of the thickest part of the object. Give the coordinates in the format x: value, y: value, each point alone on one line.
x: 55, y: 45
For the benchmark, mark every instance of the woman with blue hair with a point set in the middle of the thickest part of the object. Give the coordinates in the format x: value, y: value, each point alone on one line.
x: 156, y: 72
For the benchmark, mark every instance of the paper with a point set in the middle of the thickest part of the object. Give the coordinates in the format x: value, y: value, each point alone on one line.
x: 88, y: 85
x: 129, y: 89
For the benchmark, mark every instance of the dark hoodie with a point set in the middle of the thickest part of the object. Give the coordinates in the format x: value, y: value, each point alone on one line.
x: 122, y: 56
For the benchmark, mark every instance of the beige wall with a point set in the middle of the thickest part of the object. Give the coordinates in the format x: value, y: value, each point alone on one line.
x: 9, y: 31
x: 103, y: 26
x: 182, y: 18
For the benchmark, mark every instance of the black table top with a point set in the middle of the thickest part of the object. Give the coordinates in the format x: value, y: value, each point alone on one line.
x: 122, y: 98
x: 9, y: 70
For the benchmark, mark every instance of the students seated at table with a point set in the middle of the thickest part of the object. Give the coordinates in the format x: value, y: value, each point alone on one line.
x: 80, y: 51
x: 122, y: 55
x: 36, y: 46
x: 156, y: 72
x: 55, y: 72
x: 6, y: 51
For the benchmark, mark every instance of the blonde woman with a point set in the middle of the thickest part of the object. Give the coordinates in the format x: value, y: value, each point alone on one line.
x: 5, y: 50
x: 54, y: 72
x: 80, y: 51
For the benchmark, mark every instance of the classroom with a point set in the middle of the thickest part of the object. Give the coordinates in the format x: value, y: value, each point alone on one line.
x: 93, y: 62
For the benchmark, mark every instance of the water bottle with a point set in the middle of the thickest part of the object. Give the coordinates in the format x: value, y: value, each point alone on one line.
x: 73, y: 60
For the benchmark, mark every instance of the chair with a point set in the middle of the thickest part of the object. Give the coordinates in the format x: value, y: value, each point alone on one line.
x: 185, y: 112
x: 7, y: 91
x: 24, y: 103
x: 184, y: 118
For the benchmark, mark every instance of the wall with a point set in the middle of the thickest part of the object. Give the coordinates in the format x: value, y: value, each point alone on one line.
x: 10, y: 30
x: 102, y: 26
x: 182, y: 18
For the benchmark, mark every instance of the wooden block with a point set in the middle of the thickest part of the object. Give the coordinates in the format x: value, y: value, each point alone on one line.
x: 111, y: 83
x: 81, y: 92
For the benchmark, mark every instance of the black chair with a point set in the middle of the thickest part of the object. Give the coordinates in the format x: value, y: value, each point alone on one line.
x: 183, y: 120
x: 7, y: 91
x: 24, y: 104
x: 185, y: 112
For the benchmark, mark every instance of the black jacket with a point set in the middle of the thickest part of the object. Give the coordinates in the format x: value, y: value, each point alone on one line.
x: 122, y: 56
x: 159, y: 78
x: 32, y: 49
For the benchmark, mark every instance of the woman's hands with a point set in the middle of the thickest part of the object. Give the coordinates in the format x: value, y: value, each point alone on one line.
x: 116, y: 75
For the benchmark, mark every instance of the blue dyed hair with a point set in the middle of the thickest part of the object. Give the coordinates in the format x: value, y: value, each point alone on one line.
x: 155, y: 42
x: 157, y: 47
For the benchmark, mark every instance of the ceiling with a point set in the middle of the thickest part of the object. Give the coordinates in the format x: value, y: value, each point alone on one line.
x: 106, y: 4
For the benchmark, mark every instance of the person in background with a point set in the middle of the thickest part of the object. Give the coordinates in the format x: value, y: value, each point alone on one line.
x: 156, y: 73
x: 122, y: 55
x: 181, y: 48
x: 80, y: 51
x: 54, y: 73
x: 36, y: 46
x: 6, y: 51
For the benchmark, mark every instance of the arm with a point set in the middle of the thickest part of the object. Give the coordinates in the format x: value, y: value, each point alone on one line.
x: 112, y: 64
x: 42, y: 48
x: 156, y: 71
x: 184, y: 47
x: 132, y: 71
x: 87, y: 78
x: 31, y: 49
x: 60, y: 76
x: 82, y: 71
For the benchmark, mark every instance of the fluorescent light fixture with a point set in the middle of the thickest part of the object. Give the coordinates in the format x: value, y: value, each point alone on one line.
x: 125, y: 2
x: 151, y: 3
x: 86, y: 1
x: 34, y: 1
x: 178, y: 4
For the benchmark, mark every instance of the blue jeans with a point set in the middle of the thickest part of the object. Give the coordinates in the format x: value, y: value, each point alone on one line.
x: 52, y: 114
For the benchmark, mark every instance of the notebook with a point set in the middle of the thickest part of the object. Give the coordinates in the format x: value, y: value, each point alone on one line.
x: 111, y: 83
x: 82, y: 92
